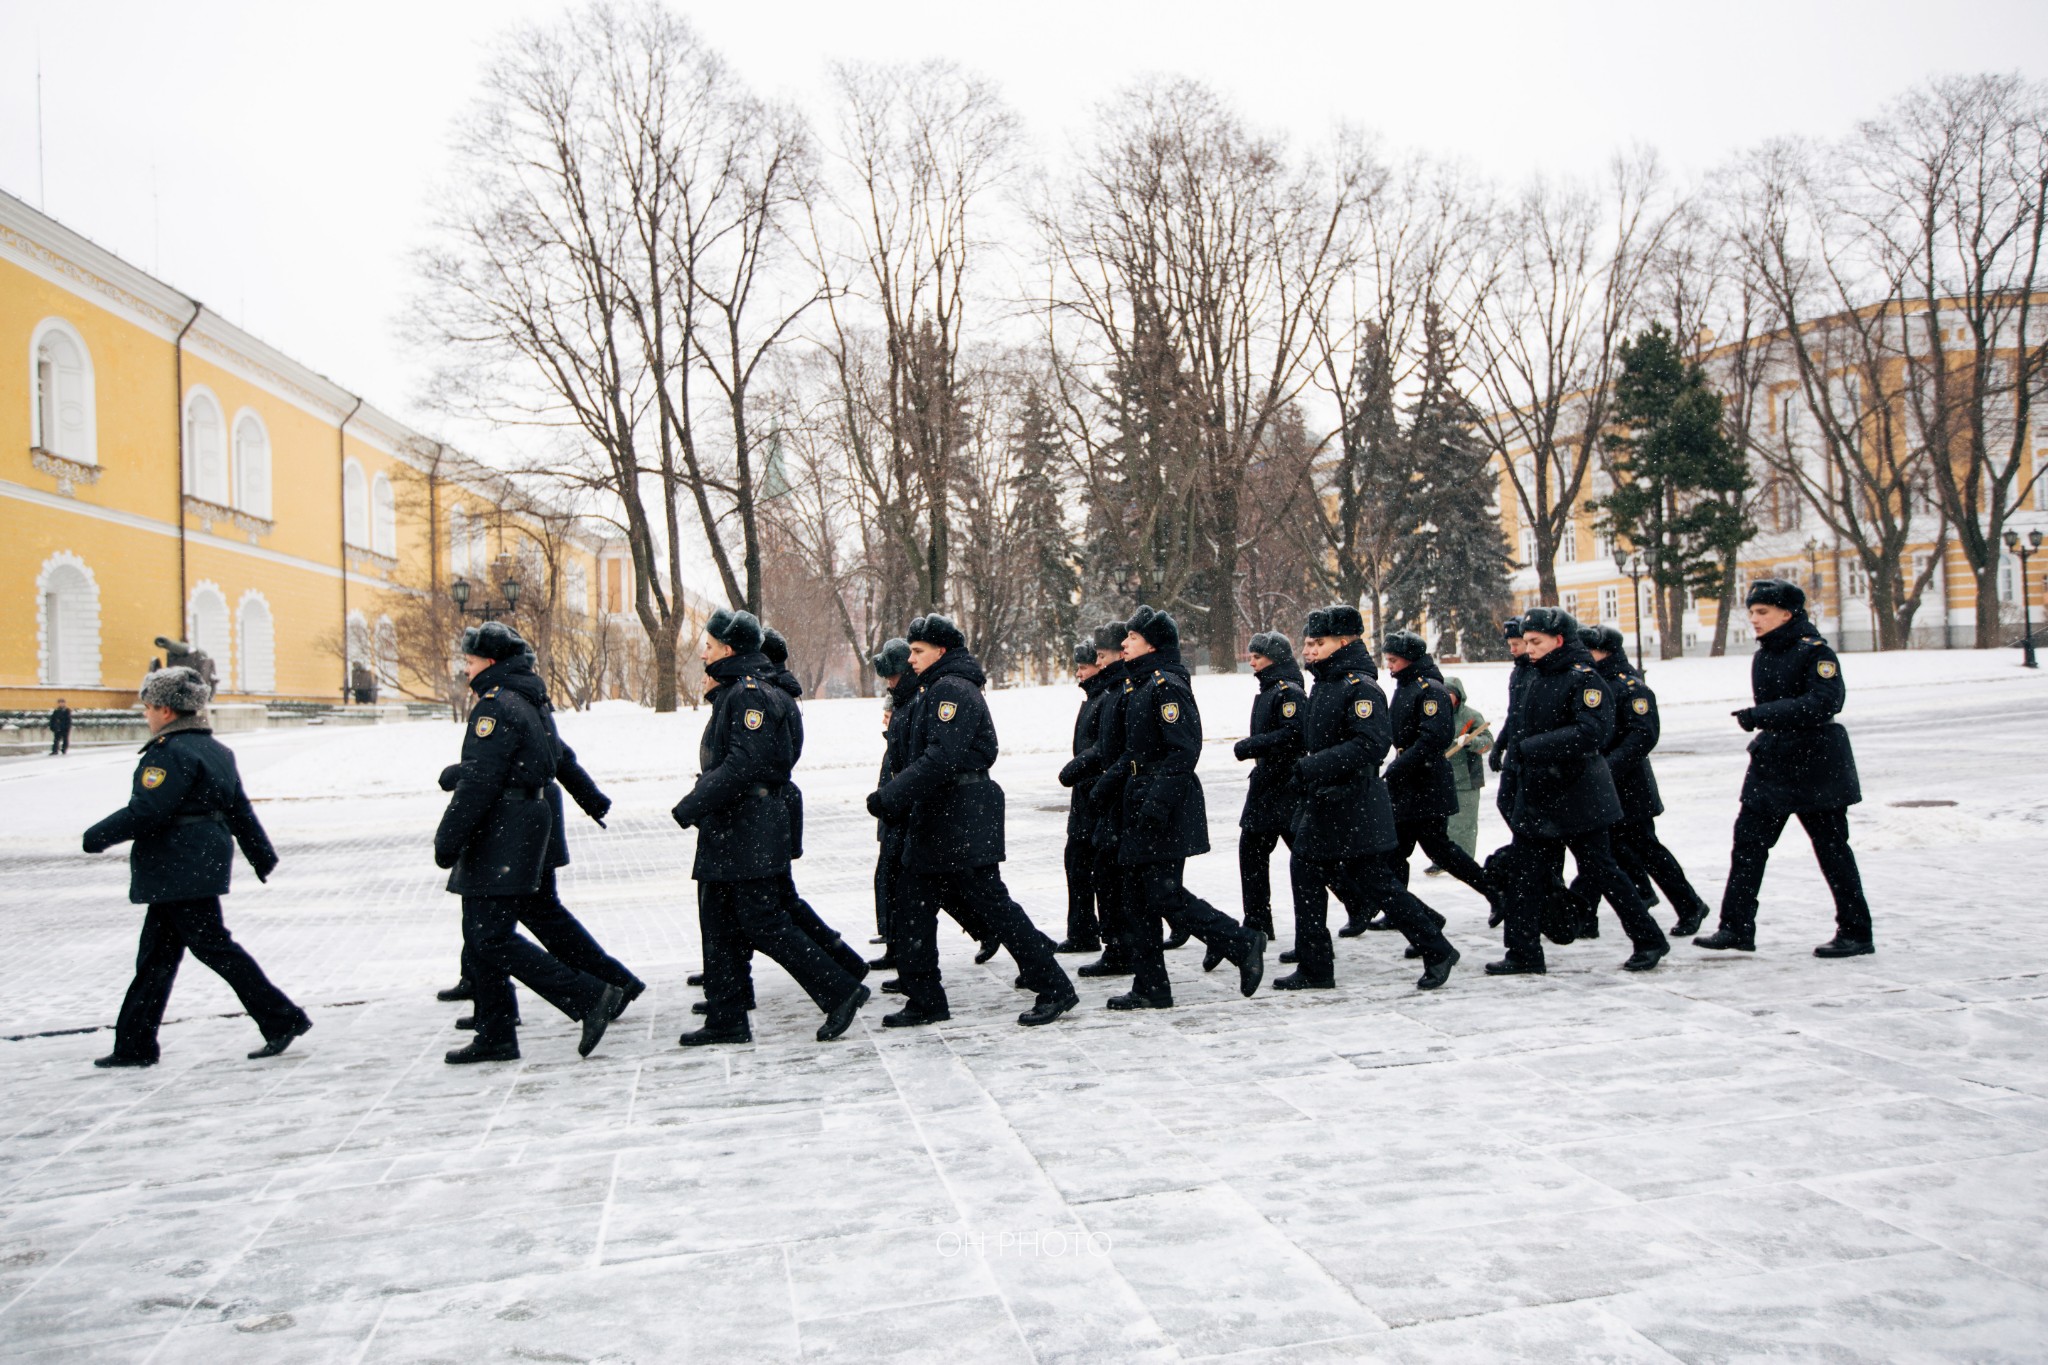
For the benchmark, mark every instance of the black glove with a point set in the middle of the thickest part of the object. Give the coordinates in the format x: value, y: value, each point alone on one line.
x: 1105, y: 789
x: 1746, y: 718
x: 1237, y: 749
x: 264, y: 869
x: 597, y: 807
x: 450, y: 775
x: 445, y: 854
x: 875, y: 807
x: 1072, y: 773
x: 1493, y: 759
x: 681, y: 819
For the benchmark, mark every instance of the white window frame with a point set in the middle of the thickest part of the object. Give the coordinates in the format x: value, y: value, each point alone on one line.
x: 50, y: 633
x: 244, y: 461
x: 355, y: 504
x: 264, y: 661
x: 383, y: 516
x: 87, y: 451
x: 195, y: 395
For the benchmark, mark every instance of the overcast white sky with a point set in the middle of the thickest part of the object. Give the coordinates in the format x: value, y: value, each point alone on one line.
x: 271, y: 158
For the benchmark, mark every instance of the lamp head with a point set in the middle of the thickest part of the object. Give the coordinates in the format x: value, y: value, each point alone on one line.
x: 459, y: 590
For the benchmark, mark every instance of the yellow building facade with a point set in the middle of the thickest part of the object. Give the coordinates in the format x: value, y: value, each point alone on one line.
x: 164, y: 473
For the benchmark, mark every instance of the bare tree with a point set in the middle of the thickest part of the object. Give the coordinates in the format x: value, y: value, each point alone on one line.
x: 1544, y: 335
x: 1952, y: 183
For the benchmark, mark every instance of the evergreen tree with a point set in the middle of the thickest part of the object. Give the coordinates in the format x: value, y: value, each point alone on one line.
x: 1045, y: 544
x: 1678, y: 480
x: 1452, y: 562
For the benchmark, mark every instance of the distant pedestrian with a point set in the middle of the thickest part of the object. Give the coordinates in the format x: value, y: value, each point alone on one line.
x: 60, y: 728
x: 185, y: 814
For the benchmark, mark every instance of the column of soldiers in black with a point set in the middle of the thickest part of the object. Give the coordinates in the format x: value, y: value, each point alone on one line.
x: 1351, y: 783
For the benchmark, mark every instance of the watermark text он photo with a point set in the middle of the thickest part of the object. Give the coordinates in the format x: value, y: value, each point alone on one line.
x: 1050, y: 1244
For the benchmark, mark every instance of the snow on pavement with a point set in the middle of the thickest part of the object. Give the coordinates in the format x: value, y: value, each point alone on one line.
x: 1729, y: 1158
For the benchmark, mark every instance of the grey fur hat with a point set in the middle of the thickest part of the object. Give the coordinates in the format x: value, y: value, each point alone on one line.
x: 178, y: 689
x: 1110, y: 636
x: 1084, y: 654
x: 740, y: 629
x: 1273, y: 645
x: 1335, y: 621
x: 1158, y: 628
x: 894, y: 660
x: 937, y: 630
x: 1405, y: 644
x: 1550, y: 621
x: 775, y: 647
x: 493, y: 640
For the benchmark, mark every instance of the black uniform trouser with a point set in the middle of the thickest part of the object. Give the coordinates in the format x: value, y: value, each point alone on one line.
x: 495, y: 954
x: 888, y: 860
x: 981, y: 890
x: 1254, y: 877
x: 1433, y: 833
x: 813, y: 927
x: 60, y: 741
x: 1533, y: 863
x: 743, y: 917
x: 557, y: 929
x: 1083, y: 924
x: 1757, y: 829
x: 169, y: 928
x: 1153, y: 894
x: 1112, y: 905
x: 1364, y: 880
x: 1644, y: 858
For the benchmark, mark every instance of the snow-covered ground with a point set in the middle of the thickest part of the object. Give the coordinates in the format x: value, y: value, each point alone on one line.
x: 1731, y: 1158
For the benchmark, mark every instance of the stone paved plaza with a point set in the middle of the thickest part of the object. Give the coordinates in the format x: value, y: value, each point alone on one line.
x: 1758, y: 1157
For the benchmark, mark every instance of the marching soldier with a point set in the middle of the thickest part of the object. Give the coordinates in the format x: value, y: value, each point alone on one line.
x: 1419, y: 779
x: 1800, y: 763
x: 954, y: 813
x: 544, y: 916
x: 496, y: 836
x: 1084, y: 928
x: 1563, y: 796
x: 1636, y: 729
x: 741, y: 814
x: 892, y: 666
x: 1345, y: 829
x: 1090, y: 768
x: 1273, y: 745
x: 1165, y: 819
x: 186, y: 813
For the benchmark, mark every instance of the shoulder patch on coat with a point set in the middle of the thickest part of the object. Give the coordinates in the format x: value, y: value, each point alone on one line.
x: 753, y: 719
x: 1362, y: 708
x: 948, y: 710
x: 484, y: 726
x: 1288, y: 708
x: 1642, y: 706
x: 1591, y: 696
x: 1826, y: 668
x: 152, y: 778
x: 492, y: 693
x: 1170, y: 712
x: 1429, y: 707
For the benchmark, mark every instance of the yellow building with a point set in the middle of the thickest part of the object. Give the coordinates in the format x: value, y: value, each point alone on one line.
x: 164, y: 473
x: 1793, y: 542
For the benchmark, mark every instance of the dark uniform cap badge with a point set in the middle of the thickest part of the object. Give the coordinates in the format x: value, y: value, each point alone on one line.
x: 1363, y: 708
x: 754, y: 720
x: 1826, y: 668
x: 1287, y: 709
x: 152, y: 777
x: 1429, y: 708
x: 1591, y: 696
x: 1642, y: 705
x: 1170, y: 712
x: 484, y: 726
x: 948, y: 710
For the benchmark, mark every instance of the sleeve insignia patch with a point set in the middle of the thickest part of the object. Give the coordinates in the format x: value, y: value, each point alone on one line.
x: 948, y: 710
x: 152, y: 778
x: 1592, y: 696
x: 753, y: 720
x: 1361, y: 708
x: 1642, y: 706
x: 484, y: 726
x: 1287, y: 709
x: 1429, y: 707
x: 1826, y: 668
x: 492, y: 693
x: 1170, y: 712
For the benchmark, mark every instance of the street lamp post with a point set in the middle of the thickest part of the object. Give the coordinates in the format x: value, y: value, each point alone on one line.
x: 508, y: 585
x: 2025, y: 549
x: 1634, y: 567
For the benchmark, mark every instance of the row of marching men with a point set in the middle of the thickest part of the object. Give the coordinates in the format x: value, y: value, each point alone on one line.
x: 1352, y: 782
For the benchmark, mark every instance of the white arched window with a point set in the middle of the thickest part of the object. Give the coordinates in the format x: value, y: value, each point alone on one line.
x: 458, y: 542
x: 257, y: 646
x: 479, y: 549
x: 206, y: 627
x: 387, y: 652
x: 576, y: 587
x: 68, y: 622
x: 64, y: 409
x: 252, y: 465
x: 355, y: 505
x: 384, y: 517
x: 206, y: 455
